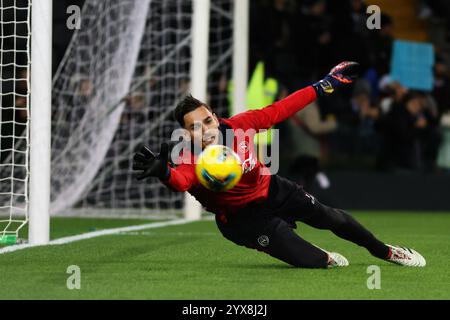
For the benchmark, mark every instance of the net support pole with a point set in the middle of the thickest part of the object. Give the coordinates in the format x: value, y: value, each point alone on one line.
x: 240, y: 55
x: 199, y: 77
x: 40, y: 121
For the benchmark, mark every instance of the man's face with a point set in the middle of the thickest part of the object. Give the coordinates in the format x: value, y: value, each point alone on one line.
x: 414, y: 106
x: 203, y: 126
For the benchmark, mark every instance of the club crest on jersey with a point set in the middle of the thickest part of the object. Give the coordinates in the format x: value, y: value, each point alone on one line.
x: 248, y: 163
x: 243, y: 146
x: 263, y: 241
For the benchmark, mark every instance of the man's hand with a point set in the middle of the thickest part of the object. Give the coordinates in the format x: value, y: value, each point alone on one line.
x: 344, y: 73
x: 150, y: 164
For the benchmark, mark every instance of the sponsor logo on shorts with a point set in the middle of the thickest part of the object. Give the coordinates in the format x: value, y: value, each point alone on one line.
x: 313, y: 200
x: 263, y: 241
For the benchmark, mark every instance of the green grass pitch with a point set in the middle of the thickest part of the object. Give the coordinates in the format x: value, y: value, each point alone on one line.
x: 194, y: 261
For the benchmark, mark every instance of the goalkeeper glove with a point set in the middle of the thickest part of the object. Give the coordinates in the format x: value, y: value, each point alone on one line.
x: 344, y: 73
x: 152, y: 165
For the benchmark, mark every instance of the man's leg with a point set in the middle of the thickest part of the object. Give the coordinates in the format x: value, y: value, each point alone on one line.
x: 275, y: 237
x: 298, y: 205
x: 344, y: 226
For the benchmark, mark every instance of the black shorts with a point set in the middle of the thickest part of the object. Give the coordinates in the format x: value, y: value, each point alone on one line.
x: 268, y: 226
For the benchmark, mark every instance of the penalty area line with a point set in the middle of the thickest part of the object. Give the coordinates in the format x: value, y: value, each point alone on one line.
x: 99, y: 233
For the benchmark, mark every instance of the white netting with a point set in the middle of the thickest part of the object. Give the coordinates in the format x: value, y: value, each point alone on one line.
x: 120, y: 79
x: 88, y: 91
x: 122, y: 76
x: 14, y: 102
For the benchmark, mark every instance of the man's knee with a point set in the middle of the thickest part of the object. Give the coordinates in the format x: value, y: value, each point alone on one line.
x: 325, y: 217
x: 340, y: 217
x: 289, y: 247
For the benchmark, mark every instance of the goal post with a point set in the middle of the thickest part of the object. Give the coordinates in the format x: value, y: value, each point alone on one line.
x: 199, y: 75
x: 15, y: 60
x: 240, y: 54
x: 40, y: 121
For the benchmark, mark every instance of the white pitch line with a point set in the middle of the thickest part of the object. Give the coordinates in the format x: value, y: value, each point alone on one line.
x: 99, y: 233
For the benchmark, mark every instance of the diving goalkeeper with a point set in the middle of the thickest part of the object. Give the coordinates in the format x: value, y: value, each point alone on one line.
x: 261, y: 211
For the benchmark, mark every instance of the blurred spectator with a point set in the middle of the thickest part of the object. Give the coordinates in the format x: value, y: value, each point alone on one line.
x: 347, y: 28
x: 366, y: 117
x: 135, y: 104
x: 357, y: 135
x: 313, y: 39
x: 410, y: 136
x: 299, y: 40
x: 392, y: 94
x: 21, y: 115
x: 441, y: 90
x: 81, y: 85
x: 83, y: 92
x: 307, y: 128
x: 21, y: 82
x: 437, y: 9
x: 359, y: 17
x: 381, y: 46
x: 273, y: 38
x: 443, y: 160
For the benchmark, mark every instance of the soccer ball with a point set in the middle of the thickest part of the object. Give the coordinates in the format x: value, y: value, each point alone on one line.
x: 218, y: 168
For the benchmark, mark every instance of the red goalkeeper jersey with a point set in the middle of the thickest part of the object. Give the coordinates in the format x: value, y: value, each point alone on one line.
x: 254, y: 184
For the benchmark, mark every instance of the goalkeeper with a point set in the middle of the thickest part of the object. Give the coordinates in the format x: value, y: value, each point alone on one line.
x: 261, y: 211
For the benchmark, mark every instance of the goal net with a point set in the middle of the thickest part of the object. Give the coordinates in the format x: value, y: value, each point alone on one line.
x: 14, y: 120
x: 123, y: 73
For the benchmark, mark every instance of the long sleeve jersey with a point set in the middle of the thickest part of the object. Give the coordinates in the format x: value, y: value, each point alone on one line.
x: 254, y: 183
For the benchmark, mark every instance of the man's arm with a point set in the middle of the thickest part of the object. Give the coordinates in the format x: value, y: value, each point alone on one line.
x: 181, y: 178
x: 277, y: 112
x: 343, y: 73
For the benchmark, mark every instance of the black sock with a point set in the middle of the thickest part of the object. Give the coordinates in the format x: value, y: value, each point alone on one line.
x: 353, y: 231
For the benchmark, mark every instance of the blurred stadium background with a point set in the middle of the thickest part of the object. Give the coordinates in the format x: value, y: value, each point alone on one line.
x: 381, y: 145
x: 369, y: 140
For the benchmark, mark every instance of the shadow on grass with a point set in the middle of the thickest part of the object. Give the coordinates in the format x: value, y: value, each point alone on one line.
x: 265, y: 266
x: 281, y: 266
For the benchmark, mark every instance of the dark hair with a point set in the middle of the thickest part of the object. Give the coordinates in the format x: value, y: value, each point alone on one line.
x: 411, y: 96
x: 188, y: 104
